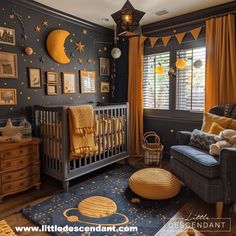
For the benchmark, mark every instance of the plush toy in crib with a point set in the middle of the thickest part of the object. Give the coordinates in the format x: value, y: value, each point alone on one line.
x: 225, y: 139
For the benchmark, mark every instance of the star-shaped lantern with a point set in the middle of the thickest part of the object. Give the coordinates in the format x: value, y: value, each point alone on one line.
x: 127, y: 20
x: 80, y: 47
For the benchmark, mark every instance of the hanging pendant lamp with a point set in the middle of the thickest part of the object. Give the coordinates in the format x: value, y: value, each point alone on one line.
x: 127, y: 20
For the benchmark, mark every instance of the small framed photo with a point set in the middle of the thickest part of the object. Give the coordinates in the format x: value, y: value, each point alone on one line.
x: 34, y: 77
x: 87, y: 81
x: 68, y: 83
x: 8, y: 97
x: 105, y: 87
x: 52, y: 77
x: 104, y: 66
x: 7, y: 36
x: 51, y: 89
x: 8, y: 65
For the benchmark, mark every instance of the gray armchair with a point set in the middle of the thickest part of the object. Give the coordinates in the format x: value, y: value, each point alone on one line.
x: 212, y: 178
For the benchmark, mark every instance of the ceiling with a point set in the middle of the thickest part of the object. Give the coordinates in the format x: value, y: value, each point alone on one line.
x: 99, y: 11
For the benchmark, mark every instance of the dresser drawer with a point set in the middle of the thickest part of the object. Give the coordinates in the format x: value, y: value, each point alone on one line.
x: 16, y: 175
x: 19, y: 185
x: 18, y: 163
x: 17, y: 152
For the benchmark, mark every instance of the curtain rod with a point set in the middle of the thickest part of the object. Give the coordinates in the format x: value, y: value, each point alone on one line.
x: 190, y: 22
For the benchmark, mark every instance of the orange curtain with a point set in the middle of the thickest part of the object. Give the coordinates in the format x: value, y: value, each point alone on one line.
x: 135, y: 93
x: 220, y: 61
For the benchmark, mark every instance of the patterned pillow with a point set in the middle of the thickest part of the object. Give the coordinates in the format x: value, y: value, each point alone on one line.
x: 201, y: 139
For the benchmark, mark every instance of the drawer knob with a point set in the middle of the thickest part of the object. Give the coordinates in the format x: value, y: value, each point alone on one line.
x: 21, y: 151
x: 21, y: 162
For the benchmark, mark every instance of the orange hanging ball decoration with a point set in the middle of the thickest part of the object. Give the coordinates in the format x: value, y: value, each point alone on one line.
x: 180, y: 63
x: 29, y: 51
x: 160, y: 70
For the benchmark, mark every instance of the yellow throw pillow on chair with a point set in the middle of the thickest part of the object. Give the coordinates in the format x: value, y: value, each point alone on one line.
x: 215, y: 128
x: 209, y: 118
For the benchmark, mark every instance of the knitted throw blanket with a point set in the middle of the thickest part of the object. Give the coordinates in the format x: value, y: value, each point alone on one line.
x: 81, y: 123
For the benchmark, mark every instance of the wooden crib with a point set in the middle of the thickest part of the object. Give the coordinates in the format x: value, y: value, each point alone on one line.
x: 111, y: 128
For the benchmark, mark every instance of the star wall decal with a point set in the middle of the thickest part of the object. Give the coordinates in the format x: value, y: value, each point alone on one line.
x: 80, y: 47
x: 12, y: 16
x: 135, y: 200
x: 85, y: 31
x: 80, y: 60
x: 45, y: 23
x: 37, y: 28
x: 71, y: 40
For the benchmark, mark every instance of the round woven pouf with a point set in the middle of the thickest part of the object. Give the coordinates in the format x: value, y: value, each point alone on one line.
x: 154, y: 184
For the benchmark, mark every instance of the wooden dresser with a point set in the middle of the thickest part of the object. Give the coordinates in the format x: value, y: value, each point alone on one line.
x: 19, y: 166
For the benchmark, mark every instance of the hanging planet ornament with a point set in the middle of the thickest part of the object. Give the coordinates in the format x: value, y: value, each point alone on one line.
x: 197, y: 64
x: 180, y: 63
x: 159, y: 70
x: 29, y: 51
x: 115, y: 53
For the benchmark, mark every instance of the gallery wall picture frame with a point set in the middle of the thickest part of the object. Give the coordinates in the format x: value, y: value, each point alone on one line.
x: 8, y: 65
x: 105, y: 87
x: 52, y: 89
x: 68, y: 83
x: 104, y: 66
x: 8, y: 97
x: 87, y: 81
x: 51, y: 77
x: 7, y: 36
x: 35, y: 78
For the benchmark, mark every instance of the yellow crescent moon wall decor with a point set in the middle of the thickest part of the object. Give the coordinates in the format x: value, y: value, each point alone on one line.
x: 55, y: 46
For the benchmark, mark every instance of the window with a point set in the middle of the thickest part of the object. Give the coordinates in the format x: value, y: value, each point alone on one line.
x: 156, y: 87
x: 190, y: 81
x: 183, y: 92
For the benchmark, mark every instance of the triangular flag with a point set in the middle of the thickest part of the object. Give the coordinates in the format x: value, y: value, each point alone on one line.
x: 166, y: 40
x: 195, y: 32
x: 153, y: 41
x: 180, y: 37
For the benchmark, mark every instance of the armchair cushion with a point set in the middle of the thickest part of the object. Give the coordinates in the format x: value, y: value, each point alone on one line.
x: 197, y: 159
x: 201, y: 139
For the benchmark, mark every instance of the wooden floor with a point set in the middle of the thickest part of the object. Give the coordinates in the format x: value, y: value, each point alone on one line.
x: 10, y: 209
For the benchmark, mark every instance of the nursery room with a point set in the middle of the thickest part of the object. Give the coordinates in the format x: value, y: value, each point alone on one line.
x: 117, y: 118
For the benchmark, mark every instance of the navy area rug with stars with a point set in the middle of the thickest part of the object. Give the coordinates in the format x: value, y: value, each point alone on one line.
x: 106, y: 200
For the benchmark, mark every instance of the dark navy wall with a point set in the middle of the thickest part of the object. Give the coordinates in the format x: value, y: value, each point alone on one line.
x: 98, y: 42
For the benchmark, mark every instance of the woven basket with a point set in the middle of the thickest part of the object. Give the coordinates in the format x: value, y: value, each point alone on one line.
x: 152, y: 150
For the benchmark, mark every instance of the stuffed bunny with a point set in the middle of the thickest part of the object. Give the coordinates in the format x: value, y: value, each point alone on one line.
x: 225, y: 139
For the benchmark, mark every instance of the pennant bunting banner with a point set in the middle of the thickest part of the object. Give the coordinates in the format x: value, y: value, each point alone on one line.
x: 196, y: 32
x: 153, y: 41
x: 166, y: 40
x: 180, y: 37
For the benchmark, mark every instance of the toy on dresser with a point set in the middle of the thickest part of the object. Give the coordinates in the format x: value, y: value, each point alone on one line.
x: 11, y: 133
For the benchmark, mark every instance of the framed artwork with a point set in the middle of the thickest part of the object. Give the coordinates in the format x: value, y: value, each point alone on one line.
x: 104, y: 66
x: 87, y: 81
x: 105, y: 87
x: 68, y: 83
x: 52, y: 78
x: 8, y: 65
x: 8, y: 97
x: 34, y: 77
x: 51, y: 89
x: 7, y: 36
